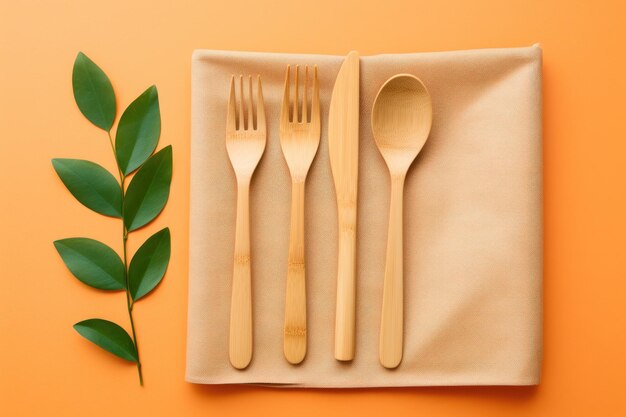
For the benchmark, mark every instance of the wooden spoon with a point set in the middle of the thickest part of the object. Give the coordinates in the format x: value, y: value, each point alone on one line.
x: 401, y: 120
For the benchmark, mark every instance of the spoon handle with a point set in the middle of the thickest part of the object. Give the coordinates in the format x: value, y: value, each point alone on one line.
x: 240, y: 343
x: 294, y: 344
x: 391, y: 325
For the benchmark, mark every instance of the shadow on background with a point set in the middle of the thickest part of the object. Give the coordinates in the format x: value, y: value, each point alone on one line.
x: 495, y: 393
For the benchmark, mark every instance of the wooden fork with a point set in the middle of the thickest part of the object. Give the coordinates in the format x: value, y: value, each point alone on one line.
x: 245, y: 143
x: 299, y: 140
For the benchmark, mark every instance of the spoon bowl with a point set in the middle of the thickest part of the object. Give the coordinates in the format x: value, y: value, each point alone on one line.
x: 401, y: 121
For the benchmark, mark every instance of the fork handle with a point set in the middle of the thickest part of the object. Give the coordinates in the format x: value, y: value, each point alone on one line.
x: 240, y: 343
x: 295, y: 302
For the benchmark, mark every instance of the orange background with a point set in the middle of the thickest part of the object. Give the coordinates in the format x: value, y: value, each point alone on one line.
x: 47, y: 369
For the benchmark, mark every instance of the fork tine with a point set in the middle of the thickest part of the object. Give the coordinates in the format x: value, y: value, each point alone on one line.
x: 231, y: 115
x: 294, y: 116
x: 241, y: 125
x: 305, y: 117
x: 260, y: 107
x: 284, y: 113
x: 250, y: 105
x: 315, y: 99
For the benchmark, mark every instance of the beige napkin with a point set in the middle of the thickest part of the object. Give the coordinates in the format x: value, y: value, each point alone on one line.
x: 472, y: 219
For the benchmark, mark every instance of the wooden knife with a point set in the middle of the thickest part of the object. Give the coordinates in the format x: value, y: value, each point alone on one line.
x: 343, y: 143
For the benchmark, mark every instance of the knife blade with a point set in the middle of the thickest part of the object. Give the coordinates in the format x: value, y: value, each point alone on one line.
x: 343, y: 143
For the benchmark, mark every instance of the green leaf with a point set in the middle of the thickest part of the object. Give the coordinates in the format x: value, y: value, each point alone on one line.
x: 93, y: 92
x: 138, y: 131
x: 91, y: 184
x: 149, y: 264
x: 109, y: 336
x: 148, y: 191
x: 92, y: 262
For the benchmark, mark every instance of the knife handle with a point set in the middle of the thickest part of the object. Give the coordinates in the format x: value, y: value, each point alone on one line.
x: 295, y: 301
x: 240, y: 339
x: 346, y: 280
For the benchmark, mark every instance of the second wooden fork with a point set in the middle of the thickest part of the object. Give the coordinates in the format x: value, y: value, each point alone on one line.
x: 299, y: 140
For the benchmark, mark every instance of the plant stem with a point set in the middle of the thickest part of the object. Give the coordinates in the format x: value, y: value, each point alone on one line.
x: 129, y: 301
x: 119, y: 170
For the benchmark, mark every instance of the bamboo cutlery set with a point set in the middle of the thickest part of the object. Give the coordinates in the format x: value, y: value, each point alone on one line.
x: 401, y: 121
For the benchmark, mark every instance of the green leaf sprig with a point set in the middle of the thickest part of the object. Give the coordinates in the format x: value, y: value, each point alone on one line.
x: 137, y: 204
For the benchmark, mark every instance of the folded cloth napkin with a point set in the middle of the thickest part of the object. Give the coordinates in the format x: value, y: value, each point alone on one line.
x: 472, y: 227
